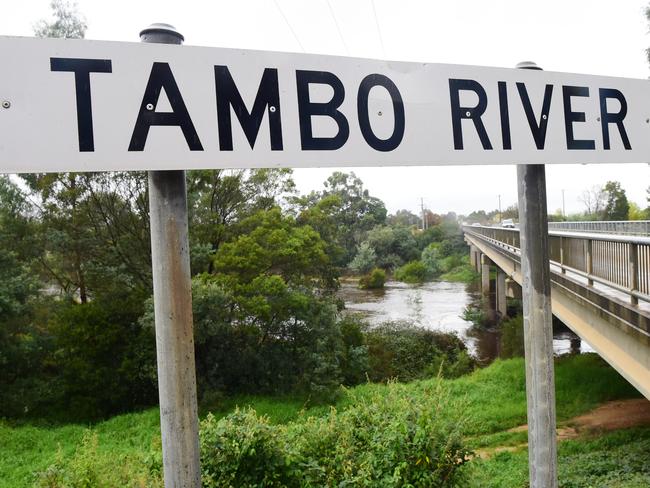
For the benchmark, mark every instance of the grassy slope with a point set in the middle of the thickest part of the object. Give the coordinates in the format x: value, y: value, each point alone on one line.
x: 616, y: 460
x: 495, y: 399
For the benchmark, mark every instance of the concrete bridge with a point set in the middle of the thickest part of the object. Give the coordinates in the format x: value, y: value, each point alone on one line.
x: 600, y: 288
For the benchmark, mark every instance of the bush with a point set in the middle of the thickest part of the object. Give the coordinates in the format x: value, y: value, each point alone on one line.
x: 103, y: 360
x: 244, y: 450
x: 279, y: 340
x: 390, y: 438
x: 354, y: 360
x: 431, y: 258
x: 398, y: 350
x: 413, y: 272
x: 374, y: 280
x: 365, y: 259
x: 450, y: 262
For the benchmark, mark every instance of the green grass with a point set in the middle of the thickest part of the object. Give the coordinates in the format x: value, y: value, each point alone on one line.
x: 496, y: 395
x: 464, y: 273
x: 616, y: 460
x: 279, y: 409
x: 494, y: 400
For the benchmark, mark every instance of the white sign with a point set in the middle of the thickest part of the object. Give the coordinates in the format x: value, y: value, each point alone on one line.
x: 72, y: 105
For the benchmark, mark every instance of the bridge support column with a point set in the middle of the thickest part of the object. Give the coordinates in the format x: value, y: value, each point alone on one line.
x: 513, y: 289
x: 485, y: 275
x: 472, y: 256
x: 502, y: 310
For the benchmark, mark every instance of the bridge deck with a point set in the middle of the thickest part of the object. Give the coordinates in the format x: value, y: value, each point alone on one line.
x: 614, y: 321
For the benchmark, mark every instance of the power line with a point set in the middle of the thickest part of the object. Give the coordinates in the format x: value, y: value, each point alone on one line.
x: 381, y: 39
x: 338, y: 28
x: 289, y: 25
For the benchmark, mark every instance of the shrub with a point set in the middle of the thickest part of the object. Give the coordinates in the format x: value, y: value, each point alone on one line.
x: 398, y: 350
x: 475, y: 313
x: 431, y: 259
x: 365, y: 259
x: 390, y: 438
x: 103, y: 358
x: 450, y: 262
x: 374, y: 280
x: 91, y: 466
x: 280, y: 339
x: 354, y: 360
x: 413, y: 272
x: 244, y: 450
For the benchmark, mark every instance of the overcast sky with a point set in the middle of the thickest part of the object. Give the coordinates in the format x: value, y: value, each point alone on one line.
x: 605, y: 37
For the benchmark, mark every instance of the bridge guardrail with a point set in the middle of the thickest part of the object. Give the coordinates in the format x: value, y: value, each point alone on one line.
x: 621, y: 262
x: 627, y: 227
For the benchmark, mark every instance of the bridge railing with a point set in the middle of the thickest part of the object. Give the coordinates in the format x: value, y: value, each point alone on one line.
x: 624, y: 227
x: 620, y: 262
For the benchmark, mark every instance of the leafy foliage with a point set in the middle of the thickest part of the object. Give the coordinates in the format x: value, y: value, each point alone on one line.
x: 617, y: 206
x: 67, y: 23
x: 351, y: 210
x: 373, y: 280
x: 413, y: 272
x: 365, y: 259
x: 397, y: 350
x: 388, y: 439
x: 127, y: 449
x: 104, y: 358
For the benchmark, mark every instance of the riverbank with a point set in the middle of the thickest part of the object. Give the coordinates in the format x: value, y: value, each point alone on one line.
x: 125, y: 450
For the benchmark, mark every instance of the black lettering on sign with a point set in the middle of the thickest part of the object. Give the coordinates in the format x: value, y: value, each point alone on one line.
x: 161, y: 77
x: 373, y: 141
x: 607, y: 118
x: 307, y: 109
x: 82, y: 69
x: 268, y: 95
x: 505, y: 120
x: 538, y: 129
x: 570, y: 117
x: 474, y: 113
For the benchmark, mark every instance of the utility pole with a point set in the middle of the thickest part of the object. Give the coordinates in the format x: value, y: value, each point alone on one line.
x: 500, y: 217
x: 172, y: 291
x: 563, y: 209
x: 424, y: 220
x: 538, y: 330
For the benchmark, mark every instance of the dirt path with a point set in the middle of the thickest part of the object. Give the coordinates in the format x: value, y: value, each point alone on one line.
x: 619, y: 414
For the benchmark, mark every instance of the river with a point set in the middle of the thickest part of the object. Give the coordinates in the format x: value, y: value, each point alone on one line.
x: 439, y: 305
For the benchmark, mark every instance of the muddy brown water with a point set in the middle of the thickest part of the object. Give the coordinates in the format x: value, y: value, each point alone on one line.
x: 439, y: 305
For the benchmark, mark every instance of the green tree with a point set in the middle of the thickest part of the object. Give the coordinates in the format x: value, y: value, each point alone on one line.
x: 365, y: 260
x: 478, y: 217
x: 276, y: 273
x: 68, y: 23
x: 321, y: 215
x: 104, y: 358
x: 217, y: 199
x: 19, y: 346
x: 345, y: 213
x: 635, y: 212
x: 60, y: 193
x: 393, y: 245
x: 403, y: 217
x: 359, y: 212
x: 617, y: 206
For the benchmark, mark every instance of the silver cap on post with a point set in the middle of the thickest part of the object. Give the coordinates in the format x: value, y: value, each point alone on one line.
x: 160, y: 33
x: 528, y: 65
